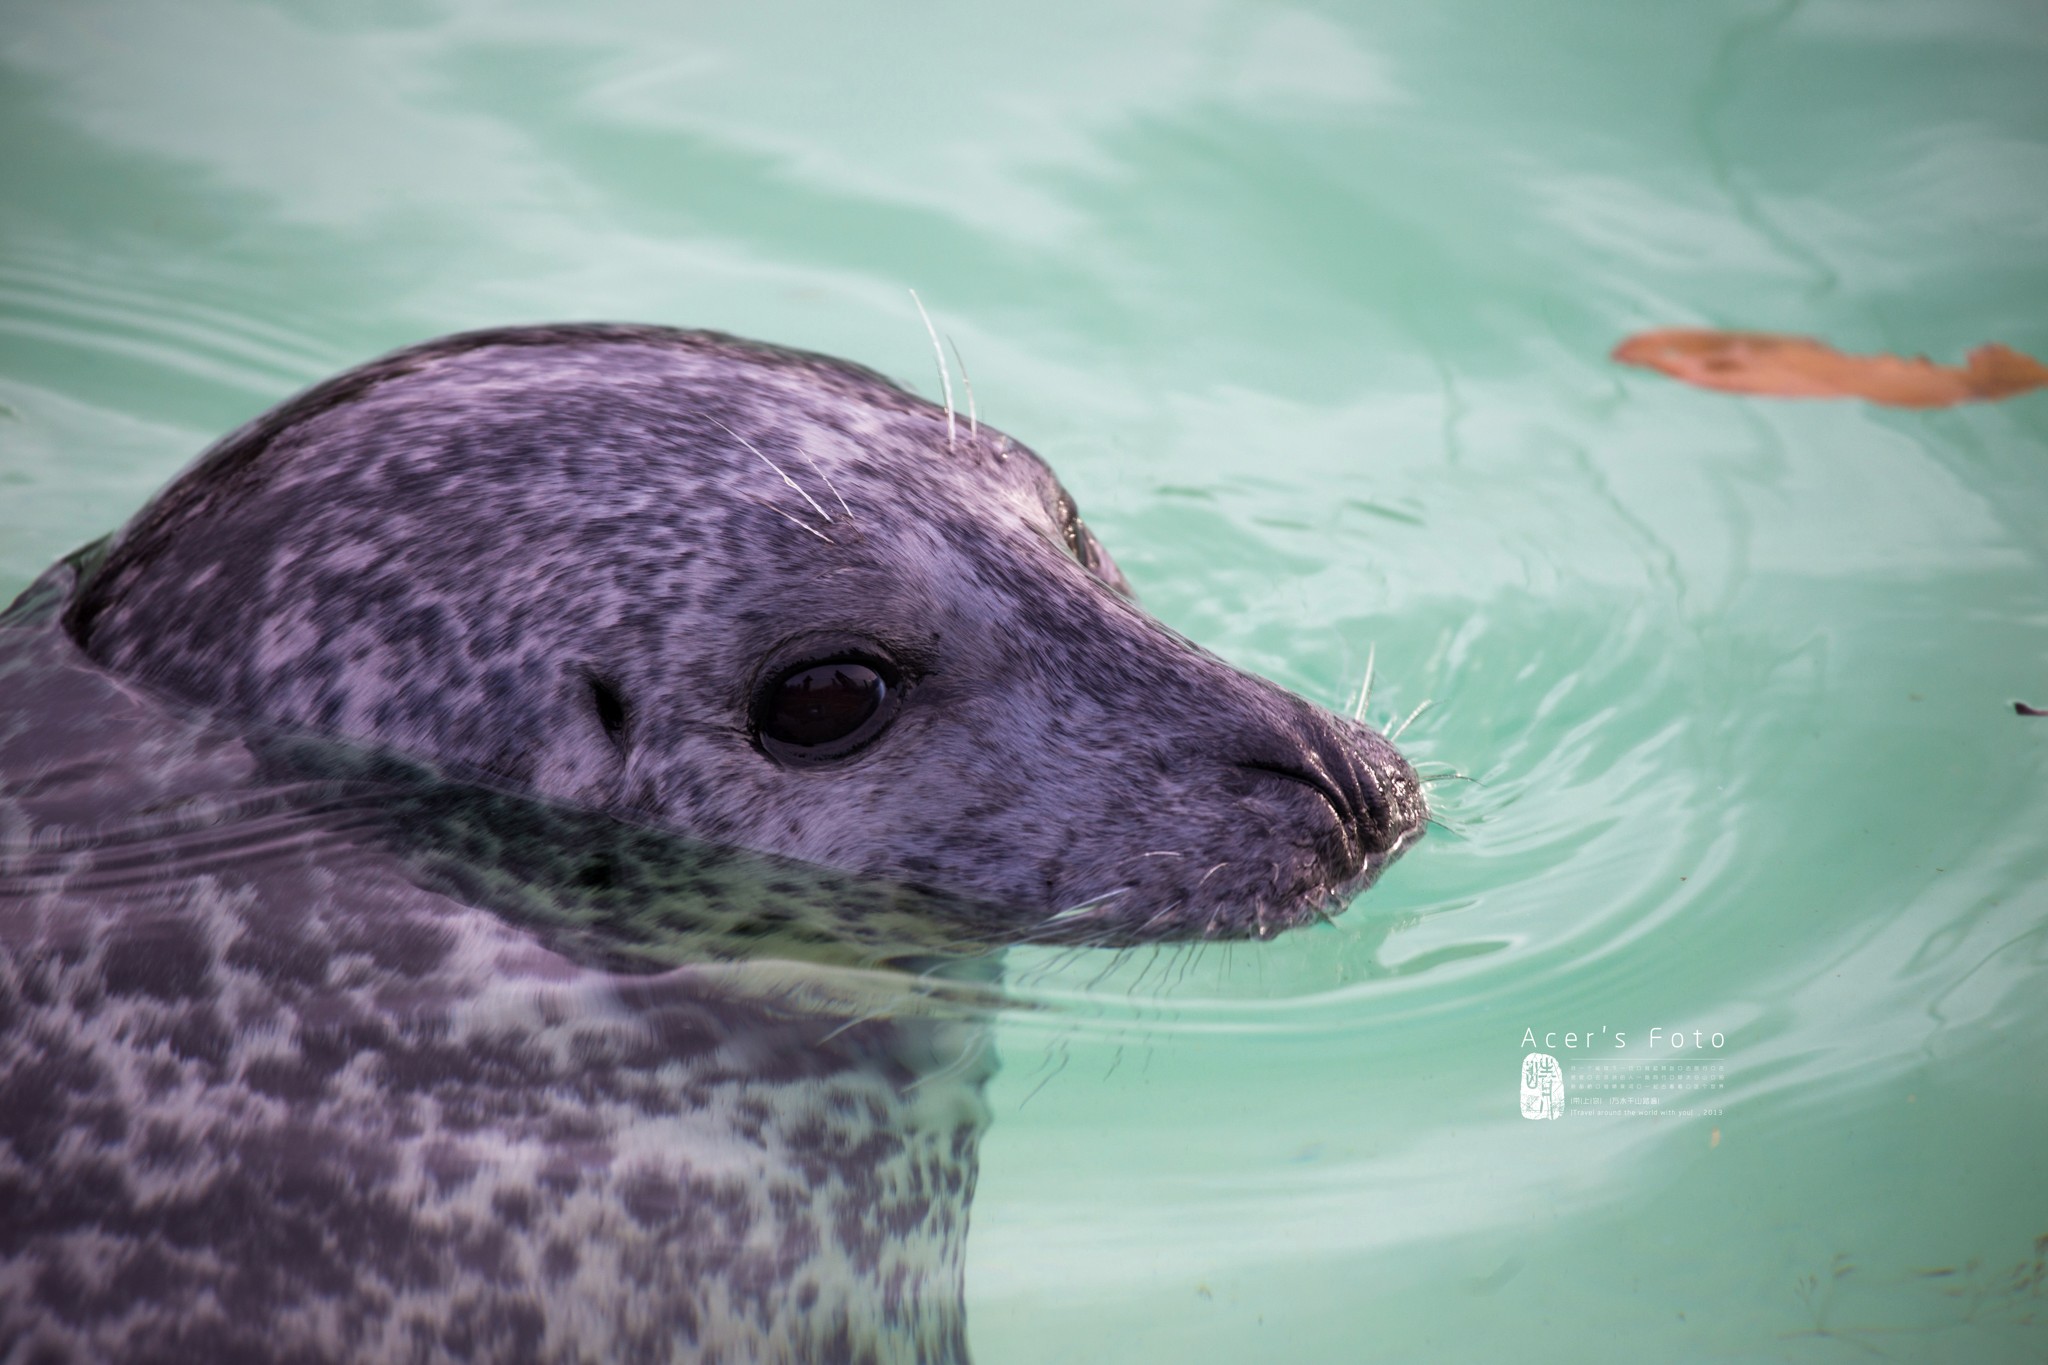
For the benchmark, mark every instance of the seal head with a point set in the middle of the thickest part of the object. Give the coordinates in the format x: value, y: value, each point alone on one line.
x: 753, y: 595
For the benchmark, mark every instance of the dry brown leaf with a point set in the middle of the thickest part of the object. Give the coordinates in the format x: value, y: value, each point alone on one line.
x: 1777, y: 366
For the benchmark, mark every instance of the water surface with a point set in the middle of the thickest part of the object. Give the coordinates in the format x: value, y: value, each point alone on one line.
x: 1309, y: 305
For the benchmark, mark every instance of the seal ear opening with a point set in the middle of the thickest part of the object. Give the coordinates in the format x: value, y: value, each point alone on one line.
x: 612, y: 712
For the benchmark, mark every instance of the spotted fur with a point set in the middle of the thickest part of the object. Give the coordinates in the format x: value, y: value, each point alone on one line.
x: 266, y: 1095
x: 380, y: 977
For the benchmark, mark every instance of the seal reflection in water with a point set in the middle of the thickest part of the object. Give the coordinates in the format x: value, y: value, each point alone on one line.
x: 381, y: 979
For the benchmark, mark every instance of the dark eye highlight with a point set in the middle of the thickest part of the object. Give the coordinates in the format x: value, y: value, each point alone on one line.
x: 817, y: 712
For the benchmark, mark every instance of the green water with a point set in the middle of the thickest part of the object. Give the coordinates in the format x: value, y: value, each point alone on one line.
x: 1310, y: 308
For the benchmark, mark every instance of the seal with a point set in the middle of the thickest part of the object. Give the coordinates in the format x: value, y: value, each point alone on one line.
x: 752, y: 595
x: 415, y: 821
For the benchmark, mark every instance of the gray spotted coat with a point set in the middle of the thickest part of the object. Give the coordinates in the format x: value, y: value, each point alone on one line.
x: 411, y: 948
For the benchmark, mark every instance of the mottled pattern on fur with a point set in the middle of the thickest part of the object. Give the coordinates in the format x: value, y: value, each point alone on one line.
x: 379, y: 976
x: 263, y: 1097
x: 440, y: 552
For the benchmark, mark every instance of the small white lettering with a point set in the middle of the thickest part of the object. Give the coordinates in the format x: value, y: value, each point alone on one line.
x: 1589, y: 1039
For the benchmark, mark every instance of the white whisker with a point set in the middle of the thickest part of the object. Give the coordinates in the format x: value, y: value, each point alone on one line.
x: 1087, y: 907
x: 778, y: 471
x: 827, y: 479
x: 793, y: 521
x: 945, y: 375
x: 959, y: 1065
x: 973, y: 418
x: 1171, y: 906
x: 1365, y: 687
x: 1396, y: 732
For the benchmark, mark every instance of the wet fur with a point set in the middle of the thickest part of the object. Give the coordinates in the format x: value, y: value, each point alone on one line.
x: 372, y: 989
x: 309, y: 1055
x: 442, y: 550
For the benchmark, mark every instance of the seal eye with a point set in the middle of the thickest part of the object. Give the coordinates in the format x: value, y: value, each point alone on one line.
x: 817, y: 712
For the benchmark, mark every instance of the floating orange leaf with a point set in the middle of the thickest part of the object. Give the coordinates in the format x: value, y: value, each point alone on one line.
x: 1778, y: 366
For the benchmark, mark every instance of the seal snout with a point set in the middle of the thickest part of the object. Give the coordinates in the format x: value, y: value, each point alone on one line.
x: 1387, y: 806
x: 1374, y: 799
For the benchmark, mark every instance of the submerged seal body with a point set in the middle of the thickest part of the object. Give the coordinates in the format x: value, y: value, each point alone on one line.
x: 478, y: 1060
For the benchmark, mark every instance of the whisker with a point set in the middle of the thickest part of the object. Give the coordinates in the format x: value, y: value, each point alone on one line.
x: 959, y: 1065
x: 1150, y: 962
x: 776, y: 467
x: 945, y: 375
x: 827, y: 478
x: 1059, y: 963
x: 794, y: 521
x: 973, y: 418
x: 1065, y: 1056
x: 1089, y: 906
x: 1116, y: 960
x: 924, y: 982
x: 1045, y: 932
x: 1365, y: 687
x: 1170, y: 908
x: 1396, y: 732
